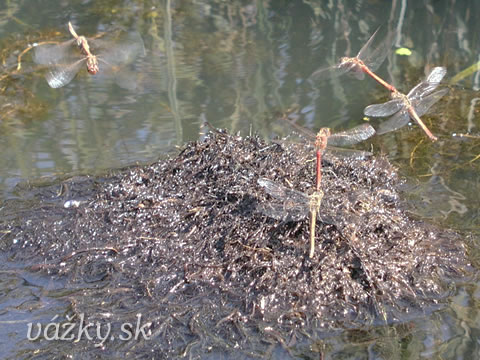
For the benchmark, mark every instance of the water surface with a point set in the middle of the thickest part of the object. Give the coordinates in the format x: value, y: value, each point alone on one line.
x: 239, y: 64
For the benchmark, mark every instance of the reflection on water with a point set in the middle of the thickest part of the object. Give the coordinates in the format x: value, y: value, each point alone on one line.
x: 236, y: 64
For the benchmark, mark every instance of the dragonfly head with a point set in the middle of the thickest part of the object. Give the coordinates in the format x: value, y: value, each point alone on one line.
x: 92, y: 65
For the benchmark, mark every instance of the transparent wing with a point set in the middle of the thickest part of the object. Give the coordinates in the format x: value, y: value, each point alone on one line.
x: 59, y: 75
x: 348, y: 153
x: 351, y: 136
x: 119, y: 50
x: 329, y: 72
x: 372, y: 56
x: 356, y: 72
x: 52, y: 54
x: 429, y: 84
x: 436, y: 75
x: 122, y: 75
x: 63, y: 62
x: 288, y: 204
x: 400, y: 119
x: 385, y: 109
x: 423, y: 105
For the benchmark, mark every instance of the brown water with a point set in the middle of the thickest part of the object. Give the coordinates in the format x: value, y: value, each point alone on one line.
x: 237, y: 64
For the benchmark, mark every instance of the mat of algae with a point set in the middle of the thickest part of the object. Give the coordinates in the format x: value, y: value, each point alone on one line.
x: 182, y: 243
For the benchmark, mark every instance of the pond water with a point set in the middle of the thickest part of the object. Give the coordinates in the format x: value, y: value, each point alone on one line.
x: 239, y: 64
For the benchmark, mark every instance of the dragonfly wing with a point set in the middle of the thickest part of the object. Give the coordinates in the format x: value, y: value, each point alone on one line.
x: 59, y: 75
x: 288, y: 204
x: 356, y: 72
x: 400, y: 119
x: 121, y: 50
x: 373, y: 57
x: 328, y: 72
x: 436, y: 75
x: 422, y: 106
x: 63, y: 61
x: 351, y: 136
x: 123, y: 76
x: 383, y: 110
x: 51, y: 54
x: 349, y: 153
x: 126, y: 79
x: 429, y: 84
x: 279, y: 211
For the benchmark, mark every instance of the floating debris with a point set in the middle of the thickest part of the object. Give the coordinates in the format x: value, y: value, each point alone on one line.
x: 183, y: 243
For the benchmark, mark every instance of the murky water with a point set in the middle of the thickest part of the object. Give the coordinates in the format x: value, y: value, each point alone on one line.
x: 238, y: 64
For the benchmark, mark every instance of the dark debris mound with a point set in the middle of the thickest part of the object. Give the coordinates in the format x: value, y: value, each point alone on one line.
x: 182, y: 242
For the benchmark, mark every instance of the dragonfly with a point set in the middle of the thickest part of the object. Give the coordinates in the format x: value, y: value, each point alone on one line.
x: 295, y: 205
x: 291, y: 205
x: 413, y: 105
x: 368, y: 60
x: 336, y: 142
x: 65, y: 60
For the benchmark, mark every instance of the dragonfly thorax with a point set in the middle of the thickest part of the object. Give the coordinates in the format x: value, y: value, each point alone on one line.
x: 345, y: 60
x: 401, y: 96
x: 80, y: 41
x: 315, y: 200
x: 92, y: 64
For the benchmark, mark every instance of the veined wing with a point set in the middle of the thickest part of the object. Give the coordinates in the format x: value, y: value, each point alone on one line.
x: 63, y: 61
x: 288, y: 204
x: 348, y: 153
x: 54, y: 53
x: 121, y: 50
x: 374, y: 57
x: 357, y: 72
x: 330, y: 72
x: 429, y: 84
x: 59, y: 75
x: 114, y: 54
x: 423, y: 105
x: 386, y: 109
x: 308, y: 134
x: 400, y: 119
x: 351, y: 136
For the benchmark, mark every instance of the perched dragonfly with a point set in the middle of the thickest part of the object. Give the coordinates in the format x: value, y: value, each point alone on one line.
x: 337, y: 141
x: 97, y: 55
x: 291, y: 205
x: 413, y: 105
x: 295, y: 205
x: 368, y: 60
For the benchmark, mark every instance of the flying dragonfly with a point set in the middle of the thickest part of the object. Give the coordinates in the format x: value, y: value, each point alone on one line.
x: 98, y: 56
x: 413, y: 105
x: 368, y: 60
